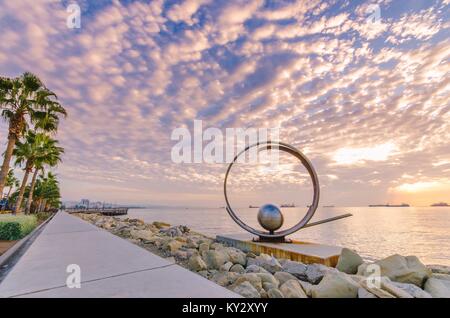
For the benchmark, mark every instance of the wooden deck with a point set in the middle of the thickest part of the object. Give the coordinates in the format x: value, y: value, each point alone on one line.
x: 109, y: 212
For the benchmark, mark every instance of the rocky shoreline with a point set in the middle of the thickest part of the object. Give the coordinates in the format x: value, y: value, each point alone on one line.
x: 263, y: 276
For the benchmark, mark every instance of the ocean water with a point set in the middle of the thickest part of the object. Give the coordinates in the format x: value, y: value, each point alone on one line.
x: 374, y: 232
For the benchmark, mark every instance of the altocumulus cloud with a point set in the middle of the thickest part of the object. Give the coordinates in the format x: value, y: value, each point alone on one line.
x: 367, y: 102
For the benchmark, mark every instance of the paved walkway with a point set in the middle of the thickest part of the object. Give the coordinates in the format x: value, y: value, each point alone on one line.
x: 110, y: 267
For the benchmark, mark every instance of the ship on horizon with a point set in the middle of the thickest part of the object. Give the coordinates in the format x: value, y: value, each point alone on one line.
x: 403, y: 205
x: 287, y: 205
x: 440, y: 204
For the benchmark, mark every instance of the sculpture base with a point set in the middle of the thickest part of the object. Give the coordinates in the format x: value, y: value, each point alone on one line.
x: 272, y: 240
x: 299, y: 251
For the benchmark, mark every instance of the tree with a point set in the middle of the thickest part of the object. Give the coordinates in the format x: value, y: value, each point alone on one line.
x: 11, y: 181
x: 46, y: 193
x: 51, y: 156
x: 35, y: 150
x: 25, y: 99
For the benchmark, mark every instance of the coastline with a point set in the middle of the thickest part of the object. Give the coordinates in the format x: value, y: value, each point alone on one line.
x: 263, y: 276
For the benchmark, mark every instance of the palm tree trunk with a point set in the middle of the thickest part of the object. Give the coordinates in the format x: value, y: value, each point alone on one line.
x: 22, y: 189
x: 8, y: 154
x: 30, y: 195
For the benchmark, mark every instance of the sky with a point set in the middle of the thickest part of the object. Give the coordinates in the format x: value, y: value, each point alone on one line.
x: 360, y: 87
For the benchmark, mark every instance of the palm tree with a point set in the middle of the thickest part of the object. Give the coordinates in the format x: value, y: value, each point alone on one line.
x: 47, y: 193
x: 36, y: 149
x: 22, y: 99
x: 11, y: 181
x: 51, y: 156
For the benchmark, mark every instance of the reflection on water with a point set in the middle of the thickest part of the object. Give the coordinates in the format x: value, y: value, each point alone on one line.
x: 373, y: 232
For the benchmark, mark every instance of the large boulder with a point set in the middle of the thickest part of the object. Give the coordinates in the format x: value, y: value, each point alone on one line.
x: 267, y: 262
x: 349, y: 261
x: 283, y: 277
x: 142, y: 234
x: 295, y: 268
x: 413, y: 290
x: 215, y: 258
x: 236, y: 256
x: 252, y: 278
x: 268, y: 278
x: 402, y: 269
x: 437, y: 288
x: 197, y: 264
x: 292, y: 289
x: 255, y: 269
x: 224, y: 278
x: 363, y: 293
x: 275, y: 293
x: 246, y: 289
x: 336, y: 285
x: 315, y: 272
x: 226, y: 267
x: 237, y: 268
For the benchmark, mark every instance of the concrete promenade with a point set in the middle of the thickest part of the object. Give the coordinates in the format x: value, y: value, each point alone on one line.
x: 110, y: 267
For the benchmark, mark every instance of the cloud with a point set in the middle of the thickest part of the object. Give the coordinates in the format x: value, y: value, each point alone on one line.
x: 357, y: 97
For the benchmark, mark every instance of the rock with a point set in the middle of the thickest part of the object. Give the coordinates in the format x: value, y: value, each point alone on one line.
x: 181, y: 255
x: 404, y: 269
x: 174, y: 246
x: 216, y: 246
x: 215, y: 259
x: 197, y: 264
x: 362, y: 293
x: 251, y: 255
x: 295, y: 268
x: 441, y: 276
x: 175, y: 230
x: 226, y: 267
x: 283, y: 277
x: 377, y: 291
x: 246, y: 289
x: 307, y: 287
x: 349, y: 261
x: 255, y: 269
x: 394, y: 290
x: 170, y: 259
x: 203, y: 247
x: 160, y: 225
x: 292, y: 289
x: 267, y: 262
x: 437, y: 288
x: 268, y: 278
x: 236, y: 256
x: 142, y: 234
x: 362, y: 269
x: 224, y: 278
x: 439, y: 269
x: 413, y: 290
x: 275, y: 293
x: 268, y: 286
x: 315, y: 272
x: 203, y: 273
x: 252, y: 278
x: 237, y: 268
x: 336, y: 285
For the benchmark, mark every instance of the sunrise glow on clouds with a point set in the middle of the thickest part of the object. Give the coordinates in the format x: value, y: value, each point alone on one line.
x: 368, y: 102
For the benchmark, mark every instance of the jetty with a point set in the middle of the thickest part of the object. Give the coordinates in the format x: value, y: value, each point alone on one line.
x: 105, y: 211
x: 109, y: 266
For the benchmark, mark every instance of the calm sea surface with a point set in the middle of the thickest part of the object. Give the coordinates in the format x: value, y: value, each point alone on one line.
x: 373, y: 232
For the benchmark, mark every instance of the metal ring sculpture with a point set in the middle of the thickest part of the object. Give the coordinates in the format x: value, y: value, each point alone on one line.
x: 312, y: 208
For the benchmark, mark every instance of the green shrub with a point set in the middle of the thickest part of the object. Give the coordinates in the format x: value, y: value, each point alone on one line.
x: 14, y: 227
x: 9, y: 231
x: 42, y: 216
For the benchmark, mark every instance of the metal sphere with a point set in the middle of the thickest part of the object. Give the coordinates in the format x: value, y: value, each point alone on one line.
x: 270, y: 217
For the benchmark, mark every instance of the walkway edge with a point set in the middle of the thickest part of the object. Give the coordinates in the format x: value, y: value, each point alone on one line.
x: 19, y: 246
